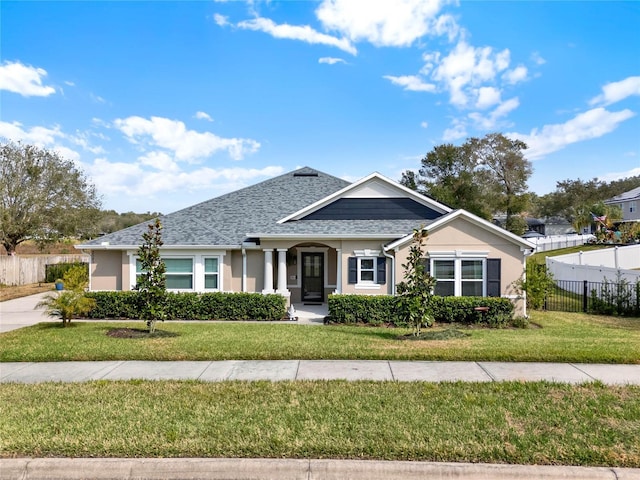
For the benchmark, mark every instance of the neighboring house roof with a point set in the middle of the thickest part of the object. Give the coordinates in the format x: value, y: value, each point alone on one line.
x: 625, y: 197
x: 445, y: 219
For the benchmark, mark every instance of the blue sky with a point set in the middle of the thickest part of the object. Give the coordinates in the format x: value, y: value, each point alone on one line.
x: 165, y: 104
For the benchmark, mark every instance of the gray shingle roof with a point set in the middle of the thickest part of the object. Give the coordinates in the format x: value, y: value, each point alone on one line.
x: 226, y: 220
x: 633, y: 194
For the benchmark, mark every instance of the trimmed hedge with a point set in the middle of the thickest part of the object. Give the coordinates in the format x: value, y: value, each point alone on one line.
x: 383, y: 309
x: 193, y: 306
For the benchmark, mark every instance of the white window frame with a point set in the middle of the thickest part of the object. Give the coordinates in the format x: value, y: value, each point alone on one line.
x: 198, y: 268
x: 216, y: 273
x: 633, y: 206
x: 367, y: 254
x: 458, y: 257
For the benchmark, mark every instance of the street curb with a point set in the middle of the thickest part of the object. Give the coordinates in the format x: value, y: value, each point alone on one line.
x: 289, y: 469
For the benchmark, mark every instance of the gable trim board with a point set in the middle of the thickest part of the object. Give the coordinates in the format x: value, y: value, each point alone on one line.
x: 270, y: 239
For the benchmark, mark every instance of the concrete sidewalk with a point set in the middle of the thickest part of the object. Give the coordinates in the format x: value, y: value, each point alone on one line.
x: 352, y: 370
x: 290, y: 469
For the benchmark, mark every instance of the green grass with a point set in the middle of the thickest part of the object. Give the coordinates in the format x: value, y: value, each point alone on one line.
x: 523, y: 423
x: 563, y: 337
x: 540, y: 256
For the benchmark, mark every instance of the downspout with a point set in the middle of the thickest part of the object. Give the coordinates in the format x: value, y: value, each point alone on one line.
x: 393, y: 269
x: 244, y: 270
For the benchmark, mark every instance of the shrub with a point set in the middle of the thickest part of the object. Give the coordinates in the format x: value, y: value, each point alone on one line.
x: 66, y: 305
x: 192, y: 306
x: 368, y: 309
x: 76, y: 278
x: 55, y: 271
x: 382, y: 309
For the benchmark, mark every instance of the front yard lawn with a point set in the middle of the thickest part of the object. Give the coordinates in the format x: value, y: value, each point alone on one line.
x: 511, y: 422
x: 559, y: 337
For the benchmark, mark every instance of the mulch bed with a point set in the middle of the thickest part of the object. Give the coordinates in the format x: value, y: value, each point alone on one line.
x: 447, y: 334
x: 138, y: 333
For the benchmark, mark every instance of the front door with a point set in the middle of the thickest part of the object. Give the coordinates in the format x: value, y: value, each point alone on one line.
x: 313, y: 277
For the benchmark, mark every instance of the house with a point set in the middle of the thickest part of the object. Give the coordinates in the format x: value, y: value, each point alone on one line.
x: 307, y: 234
x: 629, y: 203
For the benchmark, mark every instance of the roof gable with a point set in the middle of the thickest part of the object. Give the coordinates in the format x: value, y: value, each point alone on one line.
x: 463, y: 214
x: 372, y: 191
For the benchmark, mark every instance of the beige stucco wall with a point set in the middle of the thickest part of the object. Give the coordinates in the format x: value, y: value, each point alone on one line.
x: 106, y: 270
x: 348, y: 250
x: 463, y: 235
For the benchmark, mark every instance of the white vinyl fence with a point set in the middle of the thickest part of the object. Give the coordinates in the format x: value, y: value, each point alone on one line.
x: 553, y: 242
x: 596, y: 265
x: 23, y: 270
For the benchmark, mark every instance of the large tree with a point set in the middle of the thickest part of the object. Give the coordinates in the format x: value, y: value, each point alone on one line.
x: 485, y: 176
x: 507, y: 172
x: 42, y: 196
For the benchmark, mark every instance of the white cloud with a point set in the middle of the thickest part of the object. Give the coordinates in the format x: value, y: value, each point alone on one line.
x: 24, y: 80
x: 187, y: 145
x: 220, y: 20
x: 159, y: 161
x: 69, y: 83
x: 331, y: 60
x: 457, y: 131
x: 293, y: 32
x: 465, y: 68
x: 203, y: 116
x: 616, y: 91
x: 609, y: 177
x: 39, y: 136
x: 584, y: 126
x: 424, y: 124
x: 411, y: 82
x: 537, y: 59
x: 119, y: 179
x: 383, y: 23
x: 516, y: 75
x: 487, y: 97
x: 490, y: 121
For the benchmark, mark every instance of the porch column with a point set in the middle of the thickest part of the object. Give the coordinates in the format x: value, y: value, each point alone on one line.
x: 282, y: 272
x: 268, y: 270
x: 338, y: 271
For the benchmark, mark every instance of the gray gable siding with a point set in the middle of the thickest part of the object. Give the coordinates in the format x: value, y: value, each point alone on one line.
x: 374, y: 209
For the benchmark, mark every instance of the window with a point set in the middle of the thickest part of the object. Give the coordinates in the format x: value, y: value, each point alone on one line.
x: 179, y: 273
x: 633, y: 206
x: 211, y: 273
x: 367, y: 271
x: 459, y: 277
x: 444, y: 273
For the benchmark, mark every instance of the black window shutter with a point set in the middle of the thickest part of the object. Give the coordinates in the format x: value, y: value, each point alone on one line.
x: 493, y: 277
x: 353, y: 270
x: 382, y: 270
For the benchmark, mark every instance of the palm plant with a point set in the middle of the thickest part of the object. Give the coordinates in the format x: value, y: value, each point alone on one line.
x: 66, y: 304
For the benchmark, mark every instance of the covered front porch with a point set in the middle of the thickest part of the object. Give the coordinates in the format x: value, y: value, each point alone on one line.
x: 305, y: 273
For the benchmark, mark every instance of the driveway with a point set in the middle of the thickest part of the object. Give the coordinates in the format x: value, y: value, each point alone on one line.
x: 21, y: 312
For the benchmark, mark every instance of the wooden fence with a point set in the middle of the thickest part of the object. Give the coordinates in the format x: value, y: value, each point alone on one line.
x: 23, y: 270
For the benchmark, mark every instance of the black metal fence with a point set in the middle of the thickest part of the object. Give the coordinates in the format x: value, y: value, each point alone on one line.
x: 608, y: 298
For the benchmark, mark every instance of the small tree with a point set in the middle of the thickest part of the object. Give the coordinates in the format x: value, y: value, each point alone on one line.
x: 72, y: 302
x: 415, y: 291
x: 150, y: 283
x: 538, y: 284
